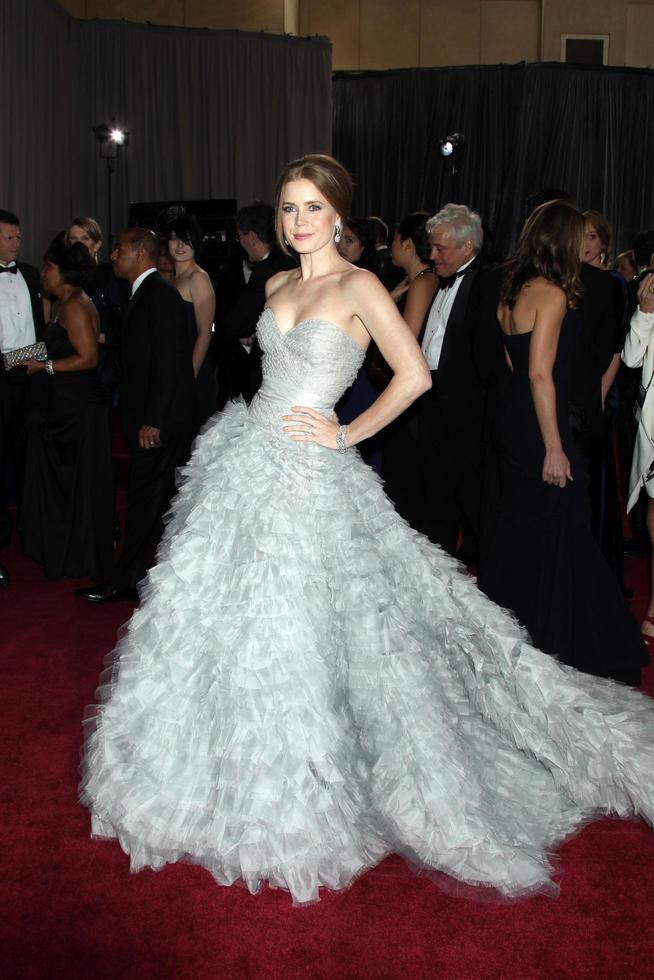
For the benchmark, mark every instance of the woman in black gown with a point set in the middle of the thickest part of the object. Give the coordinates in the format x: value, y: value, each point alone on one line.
x: 67, y: 514
x: 544, y: 563
x: 413, y: 296
x: 109, y: 295
x: 194, y: 286
x: 356, y: 244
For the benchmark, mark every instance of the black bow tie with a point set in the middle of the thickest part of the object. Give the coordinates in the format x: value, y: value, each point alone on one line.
x: 9, y: 268
x: 448, y: 281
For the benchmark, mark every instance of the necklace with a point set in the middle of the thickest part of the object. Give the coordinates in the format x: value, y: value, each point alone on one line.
x: 423, y: 272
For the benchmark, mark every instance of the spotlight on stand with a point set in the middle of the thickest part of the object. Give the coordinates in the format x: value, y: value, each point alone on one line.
x: 111, y: 138
x: 450, y: 145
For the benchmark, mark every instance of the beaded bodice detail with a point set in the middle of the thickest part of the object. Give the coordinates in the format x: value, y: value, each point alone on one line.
x: 311, y: 365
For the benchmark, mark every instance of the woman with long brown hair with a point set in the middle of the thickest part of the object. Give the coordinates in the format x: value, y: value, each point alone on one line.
x: 544, y: 563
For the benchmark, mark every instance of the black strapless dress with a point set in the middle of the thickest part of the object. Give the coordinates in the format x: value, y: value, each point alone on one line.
x: 66, y: 520
x: 544, y: 563
x: 205, y: 383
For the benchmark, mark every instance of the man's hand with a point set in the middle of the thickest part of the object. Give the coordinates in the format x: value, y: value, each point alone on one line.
x: 149, y: 437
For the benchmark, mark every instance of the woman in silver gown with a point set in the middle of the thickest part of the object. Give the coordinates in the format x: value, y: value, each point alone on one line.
x: 309, y: 684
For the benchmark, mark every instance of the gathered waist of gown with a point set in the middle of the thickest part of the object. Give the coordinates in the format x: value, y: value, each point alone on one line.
x: 275, y: 398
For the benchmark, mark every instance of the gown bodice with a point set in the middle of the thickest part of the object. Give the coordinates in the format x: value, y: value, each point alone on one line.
x: 59, y: 347
x: 65, y: 392
x: 517, y: 431
x: 519, y: 345
x: 205, y: 382
x: 310, y: 365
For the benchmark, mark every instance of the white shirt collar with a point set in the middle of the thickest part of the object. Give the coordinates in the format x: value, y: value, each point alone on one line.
x: 137, y: 282
x: 469, y: 262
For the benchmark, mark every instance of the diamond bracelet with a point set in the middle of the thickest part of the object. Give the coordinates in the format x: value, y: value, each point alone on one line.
x: 340, y: 438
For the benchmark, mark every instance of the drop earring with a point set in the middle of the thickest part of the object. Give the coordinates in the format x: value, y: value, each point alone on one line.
x: 337, y: 233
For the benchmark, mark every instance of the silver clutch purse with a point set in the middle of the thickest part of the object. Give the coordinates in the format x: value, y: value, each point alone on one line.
x: 33, y: 352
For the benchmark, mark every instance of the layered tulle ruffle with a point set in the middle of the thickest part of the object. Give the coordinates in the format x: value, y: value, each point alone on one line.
x: 309, y: 684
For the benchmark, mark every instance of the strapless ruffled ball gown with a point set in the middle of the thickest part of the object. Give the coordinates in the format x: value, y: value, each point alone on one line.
x: 309, y: 684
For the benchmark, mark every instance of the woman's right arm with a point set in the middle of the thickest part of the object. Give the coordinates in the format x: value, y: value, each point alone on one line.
x: 80, y: 322
x: 399, y: 348
x: 551, y: 308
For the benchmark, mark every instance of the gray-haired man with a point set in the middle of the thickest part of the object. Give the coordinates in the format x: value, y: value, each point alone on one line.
x: 462, y: 356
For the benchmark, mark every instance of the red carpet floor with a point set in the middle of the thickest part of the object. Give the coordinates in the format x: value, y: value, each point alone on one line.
x: 70, y: 908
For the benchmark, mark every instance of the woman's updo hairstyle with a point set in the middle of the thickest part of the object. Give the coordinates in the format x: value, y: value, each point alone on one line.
x: 413, y: 226
x: 332, y: 180
x: 76, y: 267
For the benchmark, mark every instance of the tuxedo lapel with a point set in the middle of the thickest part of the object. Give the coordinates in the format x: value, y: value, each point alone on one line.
x: 143, y: 290
x: 458, y: 311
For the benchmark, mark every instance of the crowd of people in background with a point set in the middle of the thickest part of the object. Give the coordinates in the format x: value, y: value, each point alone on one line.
x: 149, y: 337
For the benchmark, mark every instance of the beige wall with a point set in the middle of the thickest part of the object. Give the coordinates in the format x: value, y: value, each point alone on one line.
x: 368, y: 34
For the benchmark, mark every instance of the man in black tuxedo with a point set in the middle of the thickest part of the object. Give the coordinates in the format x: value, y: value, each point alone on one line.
x: 464, y: 355
x: 389, y: 274
x: 255, y: 226
x: 157, y: 401
x: 21, y: 324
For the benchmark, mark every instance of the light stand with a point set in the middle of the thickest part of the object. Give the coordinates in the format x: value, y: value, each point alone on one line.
x: 111, y: 138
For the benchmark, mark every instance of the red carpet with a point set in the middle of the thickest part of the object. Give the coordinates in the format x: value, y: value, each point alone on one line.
x: 71, y: 909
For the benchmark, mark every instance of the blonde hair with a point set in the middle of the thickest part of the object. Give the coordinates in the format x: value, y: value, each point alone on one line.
x: 90, y: 226
x: 92, y: 229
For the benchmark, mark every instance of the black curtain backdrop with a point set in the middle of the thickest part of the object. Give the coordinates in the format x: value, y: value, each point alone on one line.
x: 587, y: 130
x: 212, y: 114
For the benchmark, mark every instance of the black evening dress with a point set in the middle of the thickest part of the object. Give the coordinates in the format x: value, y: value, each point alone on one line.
x: 401, y: 470
x: 66, y: 519
x: 205, y: 383
x: 544, y: 563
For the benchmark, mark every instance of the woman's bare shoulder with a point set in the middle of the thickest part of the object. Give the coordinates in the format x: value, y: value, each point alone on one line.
x: 279, y: 280
x: 542, y: 289
x: 200, y: 275
x: 198, y: 284
x: 359, y: 282
x: 77, y: 310
x: 78, y: 301
x: 425, y: 285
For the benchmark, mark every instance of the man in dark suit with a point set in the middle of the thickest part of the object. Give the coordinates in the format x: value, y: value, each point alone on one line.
x: 157, y: 401
x: 21, y: 324
x: 464, y: 356
x: 255, y: 225
x: 389, y: 274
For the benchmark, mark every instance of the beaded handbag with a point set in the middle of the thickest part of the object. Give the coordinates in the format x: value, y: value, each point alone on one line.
x: 33, y: 352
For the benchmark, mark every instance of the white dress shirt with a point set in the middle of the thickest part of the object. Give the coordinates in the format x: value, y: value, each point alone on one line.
x: 139, y: 279
x: 432, y: 342
x: 16, y: 319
